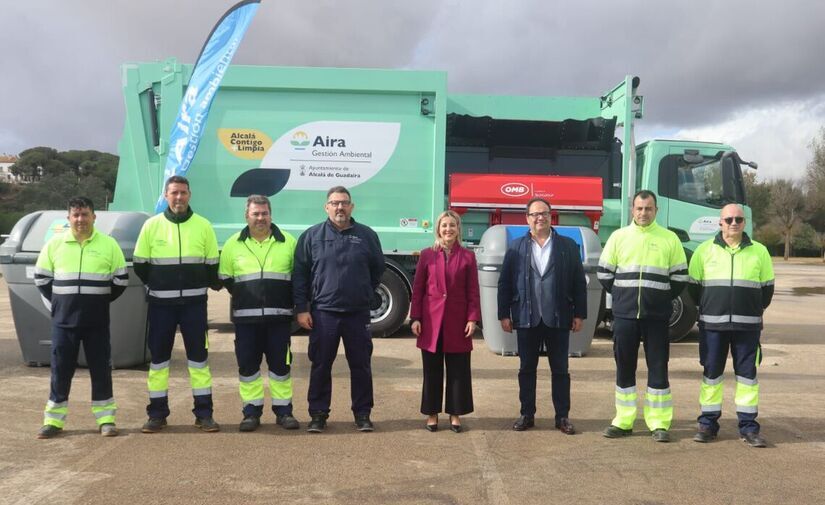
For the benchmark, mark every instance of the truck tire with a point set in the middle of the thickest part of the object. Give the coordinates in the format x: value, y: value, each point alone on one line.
x: 390, y: 305
x: 683, y: 317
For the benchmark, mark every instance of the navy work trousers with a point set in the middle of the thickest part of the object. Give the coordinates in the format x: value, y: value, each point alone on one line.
x: 253, y: 341
x: 163, y: 322
x: 65, y: 349
x: 627, y: 334
x: 328, y: 329
x: 745, y: 351
x: 557, y: 343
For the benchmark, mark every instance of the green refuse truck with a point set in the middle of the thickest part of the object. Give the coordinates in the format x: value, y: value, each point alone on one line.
x: 396, y: 139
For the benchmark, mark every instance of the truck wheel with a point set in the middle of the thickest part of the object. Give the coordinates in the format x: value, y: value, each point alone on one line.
x: 390, y: 305
x: 683, y: 317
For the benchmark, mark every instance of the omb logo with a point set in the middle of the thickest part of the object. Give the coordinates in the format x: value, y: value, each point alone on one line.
x: 514, y: 189
x: 300, y: 140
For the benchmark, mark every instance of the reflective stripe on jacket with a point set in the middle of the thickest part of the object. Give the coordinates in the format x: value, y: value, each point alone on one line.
x: 644, y: 268
x: 177, y: 258
x: 259, y: 275
x: 81, y: 280
x: 733, y: 286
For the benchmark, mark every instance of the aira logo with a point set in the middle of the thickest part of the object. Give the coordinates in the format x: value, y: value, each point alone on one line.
x: 300, y: 140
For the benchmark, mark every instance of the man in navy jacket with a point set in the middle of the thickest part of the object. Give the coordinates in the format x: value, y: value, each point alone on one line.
x: 542, y: 294
x: 338, y: 265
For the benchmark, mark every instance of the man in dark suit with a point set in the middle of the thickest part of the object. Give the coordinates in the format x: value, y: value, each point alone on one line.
x: 542, y: 294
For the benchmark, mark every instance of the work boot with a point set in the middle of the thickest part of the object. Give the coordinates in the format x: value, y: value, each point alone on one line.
x: 318, y: 422
x: 704, y: 435
x: 249, y: 423
x: 363, y: 423
x: 48, y: 431
x: 754, y: 439
x: 108, y: 430
x: 523, y: 423
x: 287, y: 421
x: 661, y: 435
x: 616, y: 432
x: 153, y: 425
x: 207, y: 424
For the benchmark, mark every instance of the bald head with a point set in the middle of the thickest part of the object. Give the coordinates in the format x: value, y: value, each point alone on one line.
x: 732, y: 222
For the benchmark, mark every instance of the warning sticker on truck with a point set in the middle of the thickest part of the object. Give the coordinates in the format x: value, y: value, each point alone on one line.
x: 328, y: 153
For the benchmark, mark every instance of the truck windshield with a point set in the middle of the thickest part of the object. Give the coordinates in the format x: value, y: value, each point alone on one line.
x: 711, y: 183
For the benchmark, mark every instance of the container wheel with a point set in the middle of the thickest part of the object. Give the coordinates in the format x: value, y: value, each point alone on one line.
x: 390, y: 305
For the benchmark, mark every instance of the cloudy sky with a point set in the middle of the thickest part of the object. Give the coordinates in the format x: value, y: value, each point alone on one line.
x: 742, y: 72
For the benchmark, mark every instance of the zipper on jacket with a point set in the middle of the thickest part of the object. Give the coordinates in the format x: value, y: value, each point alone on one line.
x: 730, y: 314
x: 180, y: 262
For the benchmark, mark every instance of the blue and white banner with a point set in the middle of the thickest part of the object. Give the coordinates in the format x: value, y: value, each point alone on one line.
x: 206, y: 77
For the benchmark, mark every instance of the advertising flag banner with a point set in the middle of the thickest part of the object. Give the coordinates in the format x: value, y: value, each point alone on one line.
x: 207, y: 74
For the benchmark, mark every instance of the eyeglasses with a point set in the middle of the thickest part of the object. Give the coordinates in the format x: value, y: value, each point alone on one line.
x: 730, y: 220
x: 339, y: 203
x: 536, y: 215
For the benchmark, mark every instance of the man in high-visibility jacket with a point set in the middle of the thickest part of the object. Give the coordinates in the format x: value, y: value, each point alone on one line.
x: 256, y: 268
x: 80, y: 273
x: 643, y: 267
x: 176, y: 256
x: 732, y: 277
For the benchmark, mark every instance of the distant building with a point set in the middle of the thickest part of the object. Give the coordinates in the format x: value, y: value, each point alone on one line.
x: 6, y: 161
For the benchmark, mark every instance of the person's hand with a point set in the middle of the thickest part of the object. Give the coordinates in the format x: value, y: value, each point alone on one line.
x: 507, y: 324
x: 415, y: 326
x: 469, y: 329
x: 305, y: 320
x: 577, y: 324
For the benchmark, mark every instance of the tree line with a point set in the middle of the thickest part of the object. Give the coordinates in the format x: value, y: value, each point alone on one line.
x: 53, y: 177
x: 789, y: 214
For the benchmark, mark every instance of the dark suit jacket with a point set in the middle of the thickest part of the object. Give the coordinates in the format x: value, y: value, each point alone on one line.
x: 514, y: 282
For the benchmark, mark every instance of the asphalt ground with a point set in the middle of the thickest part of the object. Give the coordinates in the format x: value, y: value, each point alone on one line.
x: 401, y: 462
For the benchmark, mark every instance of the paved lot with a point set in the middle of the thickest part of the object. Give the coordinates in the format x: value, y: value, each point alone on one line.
x: 401, y: 462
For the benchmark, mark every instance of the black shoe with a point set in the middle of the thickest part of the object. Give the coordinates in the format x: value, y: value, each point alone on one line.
x: 754, y: 439
x: 318, y: 423
x: 207, y: 424
x: 565, y: 426
x: 704, y: 435
x: 455, y: 428
x: 249, y: 423
x: 153, y: 425
x: 287, y: 421
x: 661, y: 435
x: 616, y: 432
x: 432, y: 428
x: 363, y: 423
x: 523, y: 423
x: 48, y: 431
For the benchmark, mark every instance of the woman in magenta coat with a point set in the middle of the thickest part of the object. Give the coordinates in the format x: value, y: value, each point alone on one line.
x: 444, y: 311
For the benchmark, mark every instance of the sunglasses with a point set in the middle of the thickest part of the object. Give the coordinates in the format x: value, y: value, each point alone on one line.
x: 730, y: 220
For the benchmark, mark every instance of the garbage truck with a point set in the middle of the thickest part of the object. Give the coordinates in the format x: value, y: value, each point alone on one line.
x: 398, y: 140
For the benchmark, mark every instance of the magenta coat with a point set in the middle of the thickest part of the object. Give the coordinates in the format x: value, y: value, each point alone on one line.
x: 444, y: 298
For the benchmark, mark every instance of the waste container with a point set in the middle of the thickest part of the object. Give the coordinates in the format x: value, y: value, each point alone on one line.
x: 18, y: 256
x: 490, y: 256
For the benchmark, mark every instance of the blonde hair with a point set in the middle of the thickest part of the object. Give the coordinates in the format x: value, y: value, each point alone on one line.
x: 439, y: 243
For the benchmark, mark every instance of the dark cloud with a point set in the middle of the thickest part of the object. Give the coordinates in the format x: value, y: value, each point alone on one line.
x: 700, y: 62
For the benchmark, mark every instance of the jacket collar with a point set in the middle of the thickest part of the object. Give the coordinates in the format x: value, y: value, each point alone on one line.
x: 645, y: 229
x: 177, y: 218
x: 746, y: 240
x: 68, y: 236
x: 274, y: 232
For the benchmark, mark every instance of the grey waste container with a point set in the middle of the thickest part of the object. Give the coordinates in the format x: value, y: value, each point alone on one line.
x: 490, y: 256
x: 18, y: 255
